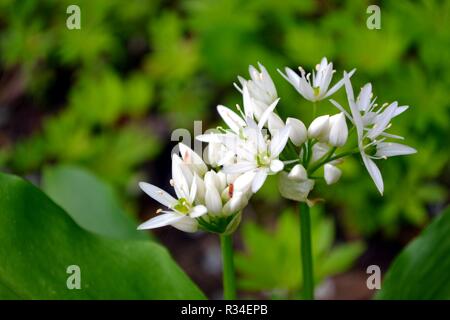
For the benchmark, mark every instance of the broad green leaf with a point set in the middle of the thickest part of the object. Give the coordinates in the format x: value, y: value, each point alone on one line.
x: 422, y: 270
x: 89, y: 201
x: 39, y: 241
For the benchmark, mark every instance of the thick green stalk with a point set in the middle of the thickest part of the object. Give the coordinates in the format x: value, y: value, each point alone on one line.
x: 306, y: 252
x: 229, y: 280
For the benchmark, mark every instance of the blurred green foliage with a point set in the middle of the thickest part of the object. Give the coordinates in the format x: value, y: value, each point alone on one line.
x: 272, y: 258
x: 108, y: 95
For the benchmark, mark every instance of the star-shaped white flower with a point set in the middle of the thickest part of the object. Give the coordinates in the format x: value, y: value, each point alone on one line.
x: 256, y: 153
x: 370, y: 126
x: 182, y: 212
x: 261, y: 89
x: 317, y: 88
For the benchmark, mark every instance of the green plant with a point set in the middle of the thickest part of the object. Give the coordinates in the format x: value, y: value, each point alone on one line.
x: 271, y: 258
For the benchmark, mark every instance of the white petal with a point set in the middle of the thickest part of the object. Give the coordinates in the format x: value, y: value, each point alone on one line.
x: 161, y: 221
x: 275, y: 123
x: 276, y: 166
x: 180, y: 177
x: 158, y: 194
x: 210, y: 137
x: 191, y: 157
x: 279, y: 141
x: 357, y: 120
x: 198, y: 211
x: 231, y: 118
x: 212, y: 200
x: 391, y: 149
x: 319, y: 128
x: 298, y: 173
x: 290, y: 76
x: 248, y: 102
x: 235, y: 204
x: 260, y: 177
x: 374, y: 172
x: 244, y: 181
x: 331, y: 173
x: 239, y: 167
x: 338, y: 130
x: 193, y: 191
x: 298, y: 133
x: 400, y: 110
x: 186, y: 224
x: 265, y: 116
x: 294, y: 190
x: 364, y: 97
x: 200, y: 196
x: 382, y: 121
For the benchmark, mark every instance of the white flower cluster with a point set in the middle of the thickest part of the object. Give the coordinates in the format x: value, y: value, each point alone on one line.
x: 258, y: 143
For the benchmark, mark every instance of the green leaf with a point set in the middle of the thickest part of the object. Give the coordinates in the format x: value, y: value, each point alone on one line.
x: 341, y: 258
x: 39, y: 241
x: 90, y: 202
x: 280, y: 250
x: 421, y: 271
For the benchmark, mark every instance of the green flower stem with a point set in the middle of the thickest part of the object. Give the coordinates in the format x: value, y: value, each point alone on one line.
x: 229, y: 280
x: 306, y: 252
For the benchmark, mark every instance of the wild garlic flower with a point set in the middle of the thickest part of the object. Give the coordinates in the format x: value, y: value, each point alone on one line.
x: 295, y: 185
x: 317, y: 88
x: 261, y: 89
x: 258, y: 153
x: 182, y: 212
x: 206, y: 199
x: 371, y: 122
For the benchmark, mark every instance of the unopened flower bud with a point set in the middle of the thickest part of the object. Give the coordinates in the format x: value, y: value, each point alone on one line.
x: 298, y: 133
x: 338, y: 130
x: 331, y: 173
x: 319, y: 128
x: 298, y: 173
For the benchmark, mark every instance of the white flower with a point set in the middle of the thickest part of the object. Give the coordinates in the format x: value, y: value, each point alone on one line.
x: 319, y: 128
x: 216, y: 154
x: 256, y: 153
x: 238, y: 122
x: 202, y: 197
x: 370, y: 112
x: 331, y: 173
x: 183, y: 211
x: 192, y: 159
x: 294, y: 189
x: 338, y: 130
x: 298, y: 133
x: 318, y: 88
x: 371, y: 125
x: 226, y: 199
x: 261, y: 89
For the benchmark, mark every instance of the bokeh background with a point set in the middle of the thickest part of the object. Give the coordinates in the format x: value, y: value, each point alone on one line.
x: 106, y: 99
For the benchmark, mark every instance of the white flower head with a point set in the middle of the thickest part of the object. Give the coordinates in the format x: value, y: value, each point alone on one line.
x: 317, y: 88
x: 260, y: 89
x: 370, y: 125
x: 256, y: 153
